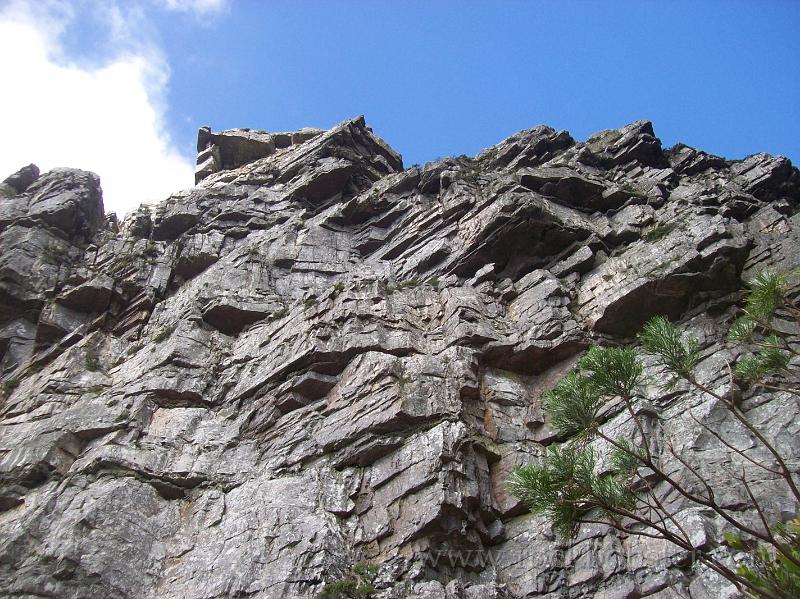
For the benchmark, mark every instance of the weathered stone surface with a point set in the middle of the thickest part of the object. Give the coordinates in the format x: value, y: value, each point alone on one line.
x: 636, y: 142
x: 68, y: 200
x: 686, y: 260
x: 528, y: 148
x: 230, y: 149
x: 315, y: 358
x: 22, y: 179
x: 565, y: 185
x: 92, y: 296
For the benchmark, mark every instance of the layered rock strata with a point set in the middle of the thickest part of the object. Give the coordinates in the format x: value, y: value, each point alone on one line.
x: 316, y: 357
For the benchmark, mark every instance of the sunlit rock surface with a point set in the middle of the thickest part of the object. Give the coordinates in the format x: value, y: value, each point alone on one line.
x: 315, y: 358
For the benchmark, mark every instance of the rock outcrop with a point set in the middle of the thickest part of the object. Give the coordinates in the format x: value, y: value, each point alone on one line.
x: 316, y: 357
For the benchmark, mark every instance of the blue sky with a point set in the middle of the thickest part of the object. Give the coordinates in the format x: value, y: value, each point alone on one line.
x: 437, y: 77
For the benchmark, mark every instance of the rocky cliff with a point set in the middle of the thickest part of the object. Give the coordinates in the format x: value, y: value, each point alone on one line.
x: 316, y: 357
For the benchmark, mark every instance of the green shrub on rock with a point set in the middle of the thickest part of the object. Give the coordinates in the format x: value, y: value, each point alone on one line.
x: 574, y: 484
x: 357, y: 585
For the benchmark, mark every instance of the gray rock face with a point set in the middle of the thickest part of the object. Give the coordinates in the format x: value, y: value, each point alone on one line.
x: 233, y: 148
x: 22, y: 179
x: 315, y: 357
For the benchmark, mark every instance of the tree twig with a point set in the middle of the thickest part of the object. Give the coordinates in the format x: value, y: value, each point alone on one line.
x: 730, y: 446
x: 785, y: 472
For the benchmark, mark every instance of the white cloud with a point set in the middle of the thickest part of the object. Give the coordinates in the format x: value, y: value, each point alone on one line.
x: 196, y: 6
x: 107, y: 117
